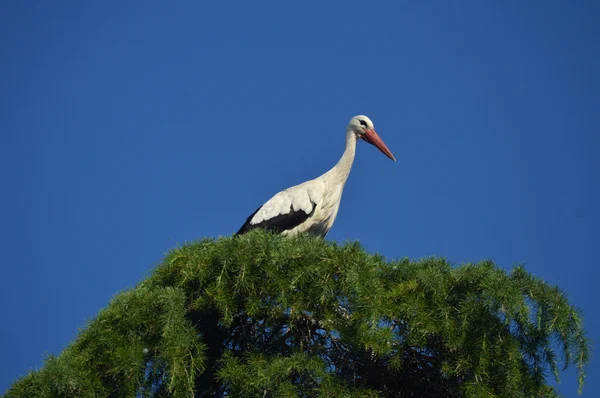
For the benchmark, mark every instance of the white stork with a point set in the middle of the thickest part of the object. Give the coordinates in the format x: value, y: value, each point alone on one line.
x: 312, y: 206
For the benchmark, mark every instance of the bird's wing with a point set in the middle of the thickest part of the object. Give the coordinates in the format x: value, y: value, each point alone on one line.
x: 287, y: 209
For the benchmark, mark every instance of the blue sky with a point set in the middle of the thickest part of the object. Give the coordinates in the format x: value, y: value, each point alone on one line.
x: 128, y: 128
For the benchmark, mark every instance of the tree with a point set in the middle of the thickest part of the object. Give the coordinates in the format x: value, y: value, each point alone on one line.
x: 271, y: 316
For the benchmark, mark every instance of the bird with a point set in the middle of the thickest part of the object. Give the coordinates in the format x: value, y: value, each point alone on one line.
x: 312, y: 207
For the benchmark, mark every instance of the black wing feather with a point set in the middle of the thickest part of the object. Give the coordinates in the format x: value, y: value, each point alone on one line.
x: 280, y: 223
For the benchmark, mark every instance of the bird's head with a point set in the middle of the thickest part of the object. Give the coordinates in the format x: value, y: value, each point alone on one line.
x: 363, y: 128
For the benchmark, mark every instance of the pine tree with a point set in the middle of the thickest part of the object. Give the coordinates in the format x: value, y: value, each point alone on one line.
x: 269, y: 316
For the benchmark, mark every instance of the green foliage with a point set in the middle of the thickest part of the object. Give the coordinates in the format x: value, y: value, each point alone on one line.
x: 270, y: 316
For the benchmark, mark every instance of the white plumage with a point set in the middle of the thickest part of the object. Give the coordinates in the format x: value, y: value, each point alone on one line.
x: 299, y: 197
x: 313, y: 205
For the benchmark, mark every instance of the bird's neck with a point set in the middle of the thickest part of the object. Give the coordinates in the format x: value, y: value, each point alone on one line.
x: 339, y: 173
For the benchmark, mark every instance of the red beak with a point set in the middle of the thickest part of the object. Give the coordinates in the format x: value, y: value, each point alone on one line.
x: 372, y: 138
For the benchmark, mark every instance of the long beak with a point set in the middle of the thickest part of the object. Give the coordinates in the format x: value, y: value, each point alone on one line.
x: 372, y: 138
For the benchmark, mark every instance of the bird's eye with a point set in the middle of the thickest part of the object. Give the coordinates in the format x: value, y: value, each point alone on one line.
x: 363, y: 123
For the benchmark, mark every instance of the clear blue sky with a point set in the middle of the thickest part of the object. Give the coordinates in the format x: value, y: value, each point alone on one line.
x: 128, y: 128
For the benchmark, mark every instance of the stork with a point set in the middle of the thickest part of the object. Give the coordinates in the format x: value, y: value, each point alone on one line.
x: 312, y: 206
